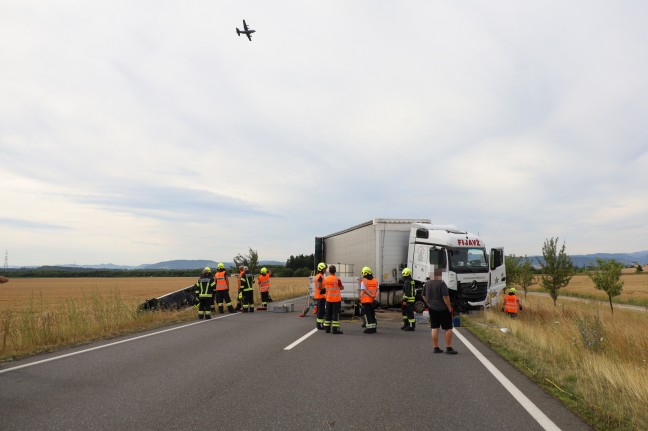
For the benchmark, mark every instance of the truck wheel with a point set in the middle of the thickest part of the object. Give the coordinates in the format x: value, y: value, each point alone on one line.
x: 419, y: 306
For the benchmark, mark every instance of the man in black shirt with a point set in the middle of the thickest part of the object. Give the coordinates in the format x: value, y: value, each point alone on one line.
x: 437, y: 297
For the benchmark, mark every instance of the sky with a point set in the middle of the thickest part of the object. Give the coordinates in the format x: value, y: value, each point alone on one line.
x: 140, y: 132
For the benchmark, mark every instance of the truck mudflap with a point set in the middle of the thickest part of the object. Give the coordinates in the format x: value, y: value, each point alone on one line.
x: 182, y: 298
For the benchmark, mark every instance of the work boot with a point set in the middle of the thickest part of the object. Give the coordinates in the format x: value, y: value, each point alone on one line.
x: 405, y: 326
x: 220, y: 309
x: 336, y: 330
x: 327, y: 329
x: 230, y: 309
x: 252, y: 309
x: 245, y: 310
x: 319, y: 326
x: 414, y: 326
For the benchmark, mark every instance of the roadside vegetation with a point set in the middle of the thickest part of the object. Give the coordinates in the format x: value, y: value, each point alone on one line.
x: 594, y: 361
x: 39, y: 315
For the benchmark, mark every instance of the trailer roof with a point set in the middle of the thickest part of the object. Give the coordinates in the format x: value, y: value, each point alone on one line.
x: 381, y: 221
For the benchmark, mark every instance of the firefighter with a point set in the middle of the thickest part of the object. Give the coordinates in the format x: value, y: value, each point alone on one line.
x: 368, y: 295
x: 205, y: 293
x: 264, y: 287
x: 409, y: 296
x: 333, y: 286
x: 319, y: 294
x: 246, y: 292
x: 511, y: 303
x: 222, y: 289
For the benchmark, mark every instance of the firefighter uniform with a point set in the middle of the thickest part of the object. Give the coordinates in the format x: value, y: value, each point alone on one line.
x: 368, y: 294
x: 319, y: 294
x: 246, y: 283
x: 222, y: 290
x: 409, y: 296
x: 333, y: 287
x: 511, y: 303
x: 204, y: 290
x: 264, y: 287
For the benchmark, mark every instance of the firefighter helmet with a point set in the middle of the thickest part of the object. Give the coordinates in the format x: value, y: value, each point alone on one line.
x: 207, y: 269
x: 221, y: 266
x: 407, y: 272
x: 321, y: 266
x: 264, y: 271
x: 512, y: 290
x: 366, y: 271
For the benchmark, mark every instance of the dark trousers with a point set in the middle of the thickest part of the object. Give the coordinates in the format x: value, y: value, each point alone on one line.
x: 408, y: 314
x: 321, y: 310
x: 205, y: 306
x: 332, y: 315
x: 369, y: 314
x: 223, y: 296
x: 248, y: 301
x: 264, y: 299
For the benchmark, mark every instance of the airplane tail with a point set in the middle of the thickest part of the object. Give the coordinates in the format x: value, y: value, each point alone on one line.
x: 238, y: 31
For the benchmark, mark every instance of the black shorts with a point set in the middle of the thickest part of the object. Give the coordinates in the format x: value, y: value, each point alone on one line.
x: 441, y: 319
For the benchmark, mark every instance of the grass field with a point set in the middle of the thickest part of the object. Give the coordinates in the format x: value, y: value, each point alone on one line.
x: 635, y: 288
x: 595, y: 362
x: 44, y: 314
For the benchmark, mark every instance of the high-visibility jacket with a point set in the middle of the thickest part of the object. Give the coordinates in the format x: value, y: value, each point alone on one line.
x: 333, y: 292
x: 511, y: 303
x: 264, y: 283
x: 221, y: 280
x: 409, y: 290
x: 205, y: 287
x: 368, y: 295
x: 318, y: 283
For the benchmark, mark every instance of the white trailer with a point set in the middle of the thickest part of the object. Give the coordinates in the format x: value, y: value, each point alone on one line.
x: 389, y: 245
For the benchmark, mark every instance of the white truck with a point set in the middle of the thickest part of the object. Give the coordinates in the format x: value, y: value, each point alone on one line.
x: 474, y: 277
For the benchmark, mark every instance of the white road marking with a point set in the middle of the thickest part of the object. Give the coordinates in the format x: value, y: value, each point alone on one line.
x: 528, y: 405
x: 301, y: 339
x: 111, y: 344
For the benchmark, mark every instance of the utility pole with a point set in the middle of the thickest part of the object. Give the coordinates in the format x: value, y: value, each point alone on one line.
x: 6, y: 265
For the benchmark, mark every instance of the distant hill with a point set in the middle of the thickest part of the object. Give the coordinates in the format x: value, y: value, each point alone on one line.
x: 169, y: 264
x: 582, y: 260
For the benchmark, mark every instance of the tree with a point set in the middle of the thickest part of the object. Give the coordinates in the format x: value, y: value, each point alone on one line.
x: 639, y: 268
x: 512, y: 269
x: 525, y: 275
x: 301, y: 261
x: 607, y: 277
x: 557, y: 268
x: 251, y: 260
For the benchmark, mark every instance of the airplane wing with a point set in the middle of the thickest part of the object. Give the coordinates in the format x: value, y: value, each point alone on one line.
x: 245, y: 26
x: 249, y: 36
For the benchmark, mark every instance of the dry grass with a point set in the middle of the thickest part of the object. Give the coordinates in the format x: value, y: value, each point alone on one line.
x: 635, y: 288
x: 595, y: 362
x: 44, y: 314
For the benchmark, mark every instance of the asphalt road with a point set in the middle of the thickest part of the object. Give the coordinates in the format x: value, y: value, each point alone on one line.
x: 234, y: 372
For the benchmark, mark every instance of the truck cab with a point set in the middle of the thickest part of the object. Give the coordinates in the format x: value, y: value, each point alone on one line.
x: 472, y: 275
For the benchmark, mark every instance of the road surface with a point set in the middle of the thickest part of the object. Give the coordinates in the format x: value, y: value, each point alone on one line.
x: 273, y: 371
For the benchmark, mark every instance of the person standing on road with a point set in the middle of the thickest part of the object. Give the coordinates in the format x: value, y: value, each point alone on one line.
x: 246, y: 284
x: 409, y: 296
x: 319, y: 294
x: 264, y: 287
x: 333, y: 286
x: 368, y: 295
x: 511, y: 303
x: 437, y: 297
x: 222, y: 289
x: 205, y: 292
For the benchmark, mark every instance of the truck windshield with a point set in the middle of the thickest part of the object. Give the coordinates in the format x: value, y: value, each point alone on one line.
x: 463, y: 260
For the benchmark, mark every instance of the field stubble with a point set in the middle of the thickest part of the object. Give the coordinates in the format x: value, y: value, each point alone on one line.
x: 594, y: 361
x: 43, y: 314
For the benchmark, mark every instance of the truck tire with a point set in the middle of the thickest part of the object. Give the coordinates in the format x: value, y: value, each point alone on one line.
x: 419, y: 306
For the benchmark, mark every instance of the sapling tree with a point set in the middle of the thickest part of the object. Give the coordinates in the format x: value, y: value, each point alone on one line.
x: 607, y: 277
x: 557, y: 268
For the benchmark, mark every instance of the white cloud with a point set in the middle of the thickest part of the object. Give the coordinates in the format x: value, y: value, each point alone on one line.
x: 133, y: 133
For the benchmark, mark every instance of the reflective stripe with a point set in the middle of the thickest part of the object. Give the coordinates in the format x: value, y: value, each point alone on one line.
x: 221, y: 280
x: 264, y: 283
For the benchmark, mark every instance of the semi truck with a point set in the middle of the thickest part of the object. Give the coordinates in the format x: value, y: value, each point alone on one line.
x: 387, y: 246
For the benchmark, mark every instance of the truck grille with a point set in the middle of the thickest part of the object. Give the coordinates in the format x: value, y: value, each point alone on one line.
x: 473, y: 292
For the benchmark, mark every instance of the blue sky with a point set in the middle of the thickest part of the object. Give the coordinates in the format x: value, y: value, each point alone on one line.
x: 139, y: 132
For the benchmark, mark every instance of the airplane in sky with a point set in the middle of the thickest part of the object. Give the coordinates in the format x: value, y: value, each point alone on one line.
x: 247, y: 31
